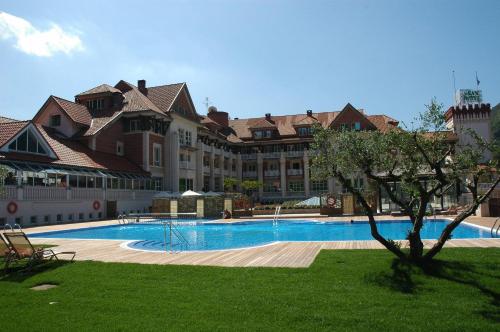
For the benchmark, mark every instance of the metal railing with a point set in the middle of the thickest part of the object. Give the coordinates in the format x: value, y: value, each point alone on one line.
x: 172, y: 236
x: 248, y: 156
x: 271, y: 173
x: 276, y: 215
x: 294, y: 171
x: 494, y: 231
x: 185, y: 165
x: 275, y: 154
x: 249, y: 174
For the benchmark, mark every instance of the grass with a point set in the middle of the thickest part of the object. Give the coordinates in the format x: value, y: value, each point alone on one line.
x: 350, y: 290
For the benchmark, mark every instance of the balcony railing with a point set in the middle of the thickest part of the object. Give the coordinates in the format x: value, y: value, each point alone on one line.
x: 40, y: 193
x: 206, y: 169
x: 117, y: 195
x: 86, y: 194
x: 185, y: 165
x: 8, y: 192
x: 272, y: 173
x: 250, y: 174
x: 273, y: 155
x: 294, y: 171
x: 248, y: 156
x: 44, y: 193
x: 295, y: 153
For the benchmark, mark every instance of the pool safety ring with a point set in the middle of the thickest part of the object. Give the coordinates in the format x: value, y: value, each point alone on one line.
x: 331, y: 201
x: 12, y: 207
x: 96, y: 205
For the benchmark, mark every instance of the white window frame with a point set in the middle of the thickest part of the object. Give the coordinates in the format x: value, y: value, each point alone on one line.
x: 134, y: 125
x: 181, y: 136
x: 157, y: 161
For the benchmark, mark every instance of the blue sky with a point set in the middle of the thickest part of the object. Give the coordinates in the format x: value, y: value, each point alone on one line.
x: 253, y: 57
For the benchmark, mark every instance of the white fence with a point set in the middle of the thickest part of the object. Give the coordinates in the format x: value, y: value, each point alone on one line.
x: 63, y: 194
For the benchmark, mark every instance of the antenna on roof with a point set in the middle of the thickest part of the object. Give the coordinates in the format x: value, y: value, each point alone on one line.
x: 207, y: 103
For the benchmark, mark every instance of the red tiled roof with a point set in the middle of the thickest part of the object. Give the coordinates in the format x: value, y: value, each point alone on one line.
x: 7, y: 120
x: 304, y: 120
x: 100, y: 120
x: 285, y: 123
x: 68, y: 152
x: 164, y: 96
x: 77, y: 112
x: 100, y: 89
x: 263, y: 123
x: 134, y: 100
x: 10, y: 129
x: 73, y: 153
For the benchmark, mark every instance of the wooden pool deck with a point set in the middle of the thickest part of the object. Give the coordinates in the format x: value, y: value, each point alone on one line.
x: 281, y: 254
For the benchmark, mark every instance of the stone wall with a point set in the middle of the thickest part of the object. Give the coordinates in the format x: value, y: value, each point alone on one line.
x: 187, y: 204
x: 214, y: 206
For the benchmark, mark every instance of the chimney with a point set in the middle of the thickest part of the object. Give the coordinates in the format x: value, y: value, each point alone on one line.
x: 268, y: 116
x: 309, y: 113
x: 221, y: 118
x: 141, y: 84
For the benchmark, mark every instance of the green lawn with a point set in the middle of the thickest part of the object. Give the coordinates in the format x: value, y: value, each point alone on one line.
x: 357, y: 290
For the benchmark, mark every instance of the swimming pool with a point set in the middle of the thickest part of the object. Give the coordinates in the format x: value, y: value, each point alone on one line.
x: 219, y: 236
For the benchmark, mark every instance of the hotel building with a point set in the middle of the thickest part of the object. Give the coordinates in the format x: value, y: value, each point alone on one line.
x: 112, y: 148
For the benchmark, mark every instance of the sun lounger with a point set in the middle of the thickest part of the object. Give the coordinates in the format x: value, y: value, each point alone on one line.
x: 21, y: 248
x: 5, y: 249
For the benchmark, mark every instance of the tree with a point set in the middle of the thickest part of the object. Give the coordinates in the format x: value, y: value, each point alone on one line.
x: 230, y: 183
x: 3, y: 175
x: 424, y: 162
x: 250, y: 186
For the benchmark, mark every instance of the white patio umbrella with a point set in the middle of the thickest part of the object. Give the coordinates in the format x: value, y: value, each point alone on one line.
x: 190, y: 193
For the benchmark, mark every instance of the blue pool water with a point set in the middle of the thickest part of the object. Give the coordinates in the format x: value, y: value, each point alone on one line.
x: 216, y: 236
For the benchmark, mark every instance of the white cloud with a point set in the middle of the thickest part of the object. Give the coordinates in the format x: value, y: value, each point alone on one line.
x: 33, y: 41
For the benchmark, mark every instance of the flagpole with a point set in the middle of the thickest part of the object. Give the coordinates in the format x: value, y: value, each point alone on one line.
x: 454, y: 90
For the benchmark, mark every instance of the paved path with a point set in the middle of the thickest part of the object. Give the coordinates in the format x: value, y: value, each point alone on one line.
x: 283, y: 254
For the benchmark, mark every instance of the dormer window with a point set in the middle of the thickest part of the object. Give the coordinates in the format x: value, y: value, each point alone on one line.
x: 351, y: 126
x: 304, y: 131
x: 258, y: 134
x: 27, y: 141
x: 96, y: 104
x: 55, y: 120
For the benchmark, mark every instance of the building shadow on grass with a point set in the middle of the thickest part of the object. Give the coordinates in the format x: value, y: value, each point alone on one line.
x: 19, y: 272
x: 404, y: 277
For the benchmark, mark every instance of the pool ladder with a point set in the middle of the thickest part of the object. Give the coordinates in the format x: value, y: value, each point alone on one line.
x: 171, y: 231
x: 276, y: 215
x: 495, y: 228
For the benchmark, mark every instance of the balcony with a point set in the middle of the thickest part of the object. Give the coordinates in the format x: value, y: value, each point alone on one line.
x: 249, y: 156
x: 272, y: 173
x: 271, y: 155
x: 250, y: 174
x: 294, y: 172
x: 185, y: 165
x: 295, y: 153
x: 206, y: 169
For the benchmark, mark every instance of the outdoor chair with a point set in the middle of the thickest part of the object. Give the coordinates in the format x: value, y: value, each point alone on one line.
x: 5, y: 249
x: 21, y: 248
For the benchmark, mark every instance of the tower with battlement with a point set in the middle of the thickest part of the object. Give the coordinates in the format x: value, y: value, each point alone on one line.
x: 475, y: 116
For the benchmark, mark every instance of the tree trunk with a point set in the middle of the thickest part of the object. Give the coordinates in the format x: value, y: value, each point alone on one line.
x: 416, y: 246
